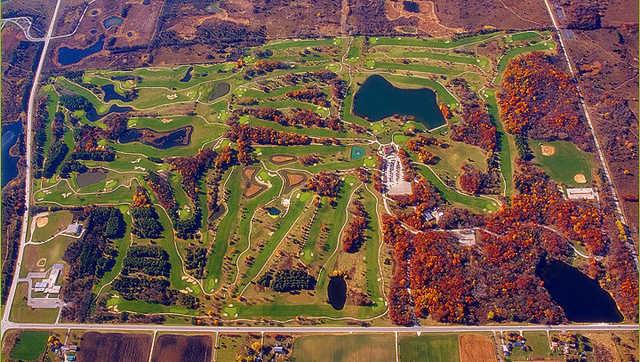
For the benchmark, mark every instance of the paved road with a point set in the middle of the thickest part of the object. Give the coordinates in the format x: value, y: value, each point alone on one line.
x: 323, y: 329
x: 27, y: 190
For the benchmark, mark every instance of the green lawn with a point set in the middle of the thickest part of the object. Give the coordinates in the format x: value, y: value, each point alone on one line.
x: 565, y: 163
x: 344, y: 348
x: 432, y: 348
x: 29, y: 346
x: 216, y: 256
x: 539, y: 344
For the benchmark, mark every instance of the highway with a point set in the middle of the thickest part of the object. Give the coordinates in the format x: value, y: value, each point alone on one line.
x: 322, y: 329
x: 29, y: 156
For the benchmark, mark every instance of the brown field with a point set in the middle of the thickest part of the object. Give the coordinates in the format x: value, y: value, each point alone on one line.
x: 506, y: 14
x: 292, y: 179
x: 605, y: 347
x: 171, y: 347
x: 476, y: 348
x: 282, y: 159
x: 611, y: 94
x: 428, y: 22
x: 111, y: 347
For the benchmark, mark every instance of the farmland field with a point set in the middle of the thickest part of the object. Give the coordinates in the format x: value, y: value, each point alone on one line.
x: 344, y: 348
x: 114, y: 347
x: 437, y: 348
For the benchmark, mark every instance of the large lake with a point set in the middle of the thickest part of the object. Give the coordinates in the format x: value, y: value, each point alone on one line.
x: 580, y: 296
x: 377, y: 99
x: 10, y: 134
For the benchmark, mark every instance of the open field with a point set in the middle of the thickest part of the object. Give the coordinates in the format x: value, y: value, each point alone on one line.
x: 563, y: 162
x: 440, y: 348
x: 29, y: 345
x: 114, y: 347
x: 344, y: 348
x: 182, y: 348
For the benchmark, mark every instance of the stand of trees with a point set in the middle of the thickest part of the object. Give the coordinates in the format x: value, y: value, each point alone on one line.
x: 145, y: 223
x: 89, y: 258
x: 325, y: 184
x: 540, y: 100
x: 292, y: 280
x: 354, y: 235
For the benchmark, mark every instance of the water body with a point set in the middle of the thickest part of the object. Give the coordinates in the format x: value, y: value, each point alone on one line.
x: 92, y: 114
x: 337, y: 291
x: 111, y: 94
x: 580, y: 296
x: 273, y: 211
x: 91, y: 177
x: 219, y: 90
x: 161, y: 140
x: 112, y: 21
x: 68, y: 56
x: 11, y: 132
x: 187, y: 75
x: 377, y: 99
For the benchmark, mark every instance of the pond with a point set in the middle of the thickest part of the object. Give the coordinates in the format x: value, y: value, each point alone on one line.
x: 68, y: 56
x: 581, y: 297
x: 273, y: 211
x: 92, y: 114
x: 112, y: 21
x: 11, y: 132
x: 187, y: 75
x: 377, y: 99
x: 161, y: 140
x: 219, y: 89
x: 111, y: 94
x: 337, y: 291
x: 91, y: 177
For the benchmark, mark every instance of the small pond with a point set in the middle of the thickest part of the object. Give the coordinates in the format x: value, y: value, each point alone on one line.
x: 273, y: 211
x: 337, y: 291
x: 161, y: 140
x: 111, y: 94
x: 187, y: 75
x: 378, y: 99
x: 11, y: 132
x: 112, y: 21
x: 219, y: 90
x: 581, y: 297
x: 91, y: 177
x: 68, y: 56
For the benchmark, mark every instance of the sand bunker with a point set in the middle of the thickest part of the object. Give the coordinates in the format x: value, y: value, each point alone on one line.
x: 42, y: 221
x: 280, y: 159
x: 580, y: 178
x: 547, y: 150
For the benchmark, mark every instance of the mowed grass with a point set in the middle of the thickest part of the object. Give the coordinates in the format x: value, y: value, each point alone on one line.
x: 56, y: 222
x: 216, y: 256
x: 432, y: 348
x: 21, y: 312
x: 539, y: 344
x: 345, y: 348
x: 565, y: 163
x: 29, y: 346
